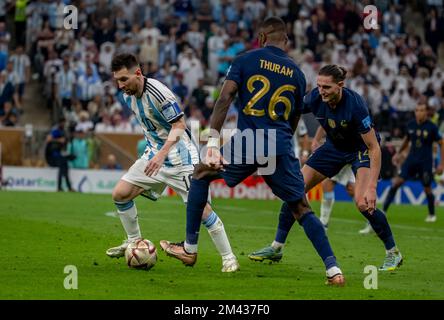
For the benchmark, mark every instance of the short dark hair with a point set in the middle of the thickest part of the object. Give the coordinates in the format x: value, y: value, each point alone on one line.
x: 123, y: 60
x: 338, y: 73
x: 273, y: 24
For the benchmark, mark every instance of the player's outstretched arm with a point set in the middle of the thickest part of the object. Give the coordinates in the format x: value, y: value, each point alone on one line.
x: 374, y: 153
x: 404, y: 145
x: 226, y: 97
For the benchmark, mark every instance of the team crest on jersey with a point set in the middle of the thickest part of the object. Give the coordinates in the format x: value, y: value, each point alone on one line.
x: 332, y: 123
x: 344, y: 124
x: 425, y: 133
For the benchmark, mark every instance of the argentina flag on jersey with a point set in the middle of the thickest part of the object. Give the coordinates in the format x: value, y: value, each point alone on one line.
x: 155, y: 111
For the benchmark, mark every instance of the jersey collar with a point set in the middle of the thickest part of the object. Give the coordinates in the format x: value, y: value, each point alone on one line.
x: 276, y: 50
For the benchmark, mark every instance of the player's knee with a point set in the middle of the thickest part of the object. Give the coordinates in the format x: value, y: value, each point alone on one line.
x: 396, y: 183
x: 120, y: 195
x: 299, y: 208
x: 200, y: 172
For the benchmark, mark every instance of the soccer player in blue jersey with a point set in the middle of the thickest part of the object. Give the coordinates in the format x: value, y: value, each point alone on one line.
x: 421, y: 134
x: 352, y: 140
x: 270, y: 88
x: 168, y: 159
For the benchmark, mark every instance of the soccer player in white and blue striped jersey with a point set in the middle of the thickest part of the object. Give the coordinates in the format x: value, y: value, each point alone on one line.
x: 168, y: 160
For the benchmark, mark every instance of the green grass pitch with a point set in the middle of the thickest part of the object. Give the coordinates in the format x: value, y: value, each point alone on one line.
x: 41, y: 233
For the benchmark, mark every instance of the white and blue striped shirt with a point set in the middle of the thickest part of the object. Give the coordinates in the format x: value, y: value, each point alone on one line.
x: 20, y: 62
x: 155, y: 111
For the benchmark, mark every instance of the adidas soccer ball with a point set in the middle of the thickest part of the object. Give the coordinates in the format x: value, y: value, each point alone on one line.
x: 141, y: 254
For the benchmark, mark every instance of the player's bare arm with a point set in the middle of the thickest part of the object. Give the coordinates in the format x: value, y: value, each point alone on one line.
x: 397, y: 157
x: 374, y: 152
x: 227, y: 95
x: 154, y: 165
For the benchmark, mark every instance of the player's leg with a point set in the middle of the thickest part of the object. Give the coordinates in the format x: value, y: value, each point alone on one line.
x: 288, y: 184
x: 408, y: 170
x: 315, y: 231
x: 132, y: 184
x: 426, y: 179
x: 180, y: 182
x: 328, y: 200
x: 218, y: 235
x: 396, y: 183
x: 378, y: 221
x: 197, y: 200
x: 123, y: 195
x: 274, y: 252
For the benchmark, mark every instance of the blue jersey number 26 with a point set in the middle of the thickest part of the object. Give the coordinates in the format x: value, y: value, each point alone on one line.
x: 275, y: 98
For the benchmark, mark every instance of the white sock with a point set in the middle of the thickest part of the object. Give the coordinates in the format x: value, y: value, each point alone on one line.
x: 327, y: 203
x: 217, y: 233
x: 392, y: 250
x: 190, y: 248
x: 277, y: 245
x: 333, y: 271
x: 128, y: 216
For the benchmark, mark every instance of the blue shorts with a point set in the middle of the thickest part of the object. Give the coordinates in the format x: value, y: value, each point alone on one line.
x: 286, y: 181
x: 328, y: 160
x: 414, y: 170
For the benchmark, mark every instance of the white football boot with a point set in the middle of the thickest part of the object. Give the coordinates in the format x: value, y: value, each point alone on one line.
x: 230, y: 264
x: 119, y: 251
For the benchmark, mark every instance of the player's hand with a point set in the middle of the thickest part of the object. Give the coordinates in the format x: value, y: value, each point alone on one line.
x: 314, y: 145
x: 439, y: 170
x: 154, y: 165
x: 214, y: 159
x: 370, y: 199
x: 395, y: 160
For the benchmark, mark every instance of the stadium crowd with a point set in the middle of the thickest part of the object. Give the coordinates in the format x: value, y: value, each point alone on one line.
x: 188, y: 45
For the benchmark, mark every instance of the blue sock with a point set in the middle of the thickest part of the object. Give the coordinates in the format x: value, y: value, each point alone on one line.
x: 379, y: 223
x: 390, y: 196
x: 316, y: 233
x: 197, y: 199
x: 431, y: 203
x: 286, y: 221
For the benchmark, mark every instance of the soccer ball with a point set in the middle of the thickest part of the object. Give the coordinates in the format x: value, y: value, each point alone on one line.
x: 141, y: 254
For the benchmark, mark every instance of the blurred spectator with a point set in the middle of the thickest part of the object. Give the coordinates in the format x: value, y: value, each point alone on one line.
x: 191, y: 68
x: 56, y: 156
x: 78, y: 149
x: 391, y: 21
x: 7, y: 94
x: 22, y: 67
x: 65, y: 84
x: 111, y: 163
x: 88, y: 86
x: 434, y: 26
x: 5, y: 37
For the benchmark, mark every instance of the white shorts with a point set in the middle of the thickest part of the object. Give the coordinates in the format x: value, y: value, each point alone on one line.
x: 177, y: 178
x: 345, y: 176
